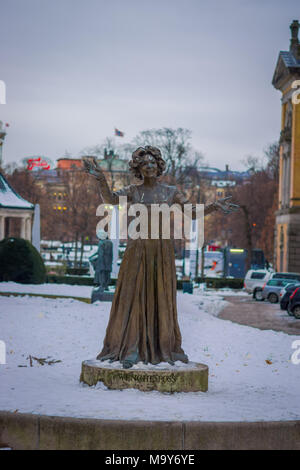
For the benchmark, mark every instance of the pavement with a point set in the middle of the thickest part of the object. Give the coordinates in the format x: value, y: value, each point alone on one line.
x: 263, y: 315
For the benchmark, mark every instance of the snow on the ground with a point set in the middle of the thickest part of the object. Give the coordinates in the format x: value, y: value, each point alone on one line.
x: 242, y: 385
x: 231, y: 292
x: 85, y: 291
x: 141, y: 366
x: 200, y: 289
x: 50, y: 289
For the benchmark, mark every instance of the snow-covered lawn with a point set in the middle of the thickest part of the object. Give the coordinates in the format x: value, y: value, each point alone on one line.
x: 85, y: 291
x: 50, y: 289
x: 242, y: 385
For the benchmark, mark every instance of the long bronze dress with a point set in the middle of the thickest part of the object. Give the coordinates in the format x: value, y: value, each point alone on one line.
x: 143, y: 323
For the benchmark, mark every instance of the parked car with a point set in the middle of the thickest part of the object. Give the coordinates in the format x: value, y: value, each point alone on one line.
x: 254, y: 281
x: 294, y: 303
x: 272, y: 288
x: 285, y: 293
x: 292, y: 276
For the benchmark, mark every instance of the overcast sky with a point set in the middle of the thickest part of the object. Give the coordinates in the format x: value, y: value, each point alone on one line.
x: 75, y: 70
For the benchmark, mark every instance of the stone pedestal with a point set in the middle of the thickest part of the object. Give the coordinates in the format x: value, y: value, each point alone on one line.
x: 102, y: 295
x: 191, y: 377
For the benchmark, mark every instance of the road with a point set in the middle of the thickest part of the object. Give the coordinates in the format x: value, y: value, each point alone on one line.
x: 262, y: 315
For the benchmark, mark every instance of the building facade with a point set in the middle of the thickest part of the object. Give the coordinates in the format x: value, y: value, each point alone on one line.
x: 287, y: 229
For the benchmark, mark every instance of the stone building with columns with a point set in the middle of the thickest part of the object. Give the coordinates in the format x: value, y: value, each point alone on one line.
x: 287, y: 231
x: 16, y: 214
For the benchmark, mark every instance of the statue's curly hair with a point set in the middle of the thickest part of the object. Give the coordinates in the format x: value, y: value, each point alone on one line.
x: 138, y: 156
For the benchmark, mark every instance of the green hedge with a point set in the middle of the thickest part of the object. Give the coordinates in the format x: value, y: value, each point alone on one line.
x: 71, y: 280
x: 21, y: 262
x: 77, y: 271
x: 89, y: 281
x: 219, y: 283
x: 216, y: 283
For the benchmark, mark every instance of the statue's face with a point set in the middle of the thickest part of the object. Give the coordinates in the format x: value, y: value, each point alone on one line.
x: 149, y: 166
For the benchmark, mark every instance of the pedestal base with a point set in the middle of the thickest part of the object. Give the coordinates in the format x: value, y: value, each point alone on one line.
x: 191, y: 377
x: 103, y: 296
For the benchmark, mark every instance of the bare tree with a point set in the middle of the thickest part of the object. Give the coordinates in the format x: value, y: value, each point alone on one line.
x: 108, y: 144
x: 272, y: 154
x: 110, y: 151
x: 25, y: 184
x: 174, y: 145
x: 79, y: 219
x: 253, y: 225
x: 253, y: 164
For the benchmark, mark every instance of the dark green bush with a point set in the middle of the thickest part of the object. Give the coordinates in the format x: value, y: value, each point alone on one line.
x: 21, y: 262
x: 219, y: 283
x: 77, y: 271
x: 215, y: 283
x: 71, y: 280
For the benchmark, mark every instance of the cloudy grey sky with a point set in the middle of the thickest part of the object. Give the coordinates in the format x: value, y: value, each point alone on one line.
x: 74, y: 70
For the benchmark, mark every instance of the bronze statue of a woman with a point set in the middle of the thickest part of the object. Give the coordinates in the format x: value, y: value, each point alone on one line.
x: 143, y: 323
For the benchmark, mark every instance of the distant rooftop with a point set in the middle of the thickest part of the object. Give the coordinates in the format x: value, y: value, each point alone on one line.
x: 9, y: 198
x: 217, y: 174
x: 289, y: 59
x: 288, y: 62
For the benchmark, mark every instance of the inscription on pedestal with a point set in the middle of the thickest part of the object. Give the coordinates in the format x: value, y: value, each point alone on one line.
x: 192, y: 377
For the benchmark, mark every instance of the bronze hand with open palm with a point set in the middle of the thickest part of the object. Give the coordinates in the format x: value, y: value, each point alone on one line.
x: 92, y: 167
x: 226, y: 206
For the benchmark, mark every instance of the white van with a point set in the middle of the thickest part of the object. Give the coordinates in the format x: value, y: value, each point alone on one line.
x: 255, y: 279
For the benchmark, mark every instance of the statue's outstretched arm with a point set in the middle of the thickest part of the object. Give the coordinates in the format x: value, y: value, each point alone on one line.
x: 92, y: 168
x: 221, y: 204
x: 181, y: 200
x: 225, y: 205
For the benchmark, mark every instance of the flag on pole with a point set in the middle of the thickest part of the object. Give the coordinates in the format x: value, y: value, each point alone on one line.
x: 119, y: 133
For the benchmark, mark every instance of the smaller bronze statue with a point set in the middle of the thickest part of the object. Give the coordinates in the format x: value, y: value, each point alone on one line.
x: 102, y: 264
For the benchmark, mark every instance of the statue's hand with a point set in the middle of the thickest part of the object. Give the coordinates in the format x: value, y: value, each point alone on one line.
x: 226, y: 206
x: 92, y: 168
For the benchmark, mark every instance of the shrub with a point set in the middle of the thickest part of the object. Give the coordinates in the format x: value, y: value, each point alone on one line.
x: 58, y: 270
x: 71, y: 280
x: 220, y: 283
x: 21, y: 262
x: 77, y: 271
x: 215, y: 283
